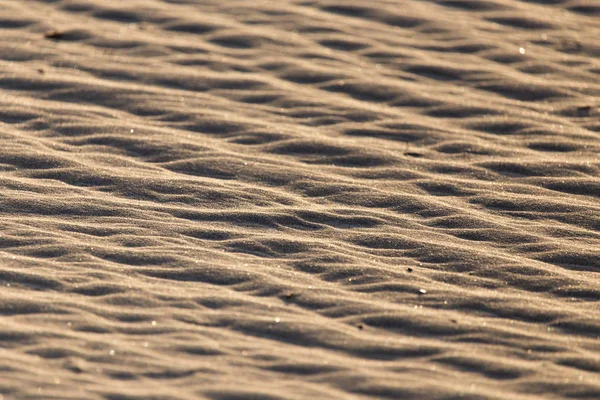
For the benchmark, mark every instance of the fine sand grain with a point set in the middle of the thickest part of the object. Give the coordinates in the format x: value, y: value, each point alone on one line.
x: 299, y: 199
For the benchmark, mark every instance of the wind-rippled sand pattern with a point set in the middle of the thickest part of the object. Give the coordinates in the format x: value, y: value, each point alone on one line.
x: 299, y: 199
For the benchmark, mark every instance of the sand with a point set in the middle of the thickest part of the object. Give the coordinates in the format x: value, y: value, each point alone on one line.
x: 299, y: 199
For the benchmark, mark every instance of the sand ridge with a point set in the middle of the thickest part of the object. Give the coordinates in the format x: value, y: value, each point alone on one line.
x: 299, y: 199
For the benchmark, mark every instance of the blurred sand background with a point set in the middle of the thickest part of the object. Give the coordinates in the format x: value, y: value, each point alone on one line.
x: 300, y: 199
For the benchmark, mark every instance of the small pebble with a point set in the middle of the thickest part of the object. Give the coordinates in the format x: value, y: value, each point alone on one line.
x: 422, y: 291
x: 584, y: 110
x: 53, y: 34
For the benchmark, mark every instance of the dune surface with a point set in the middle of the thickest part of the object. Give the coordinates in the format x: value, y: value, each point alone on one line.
x: 365, y: 199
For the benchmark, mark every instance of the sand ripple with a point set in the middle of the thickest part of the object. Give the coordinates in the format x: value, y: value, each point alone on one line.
x: 299, y: 199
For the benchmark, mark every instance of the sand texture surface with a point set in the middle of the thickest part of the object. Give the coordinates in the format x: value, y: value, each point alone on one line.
x: 299, y: 199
